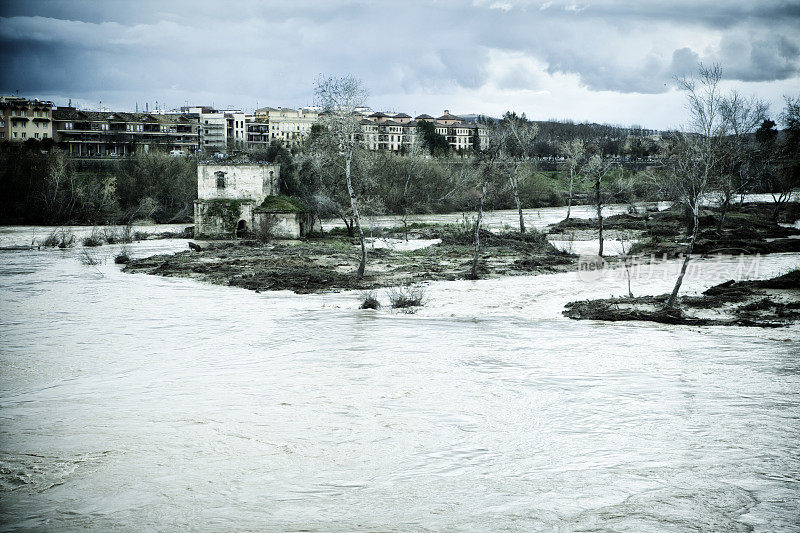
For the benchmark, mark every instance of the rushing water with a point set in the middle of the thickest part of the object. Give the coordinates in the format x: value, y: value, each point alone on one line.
x: 135, y: 402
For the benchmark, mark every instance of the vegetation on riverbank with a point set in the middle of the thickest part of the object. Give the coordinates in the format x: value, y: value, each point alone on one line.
x: 773, y: 302
x: 329, y: 262
x: 746, y: 228
x: 44, y: 186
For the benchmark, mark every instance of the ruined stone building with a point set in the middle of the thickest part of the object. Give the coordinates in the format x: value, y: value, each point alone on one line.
x: 239, y: 199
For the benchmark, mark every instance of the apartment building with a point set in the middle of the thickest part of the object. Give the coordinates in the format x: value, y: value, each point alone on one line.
x: 22, y: 119
x: 258, y: 136
x: 290, y: 126
x: 117, y: 134
x: 235, y: 128
x: 397, y: 131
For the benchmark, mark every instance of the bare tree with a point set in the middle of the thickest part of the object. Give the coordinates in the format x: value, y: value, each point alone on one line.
x: 696, y: 156
x: 339, y: 98
x: 596, y: 169
x: 742, y: 117
x: 414, y: 153
x: 515, y: 136
x: 486, y: 160
x: 787, y: 175
x: 575, y: 152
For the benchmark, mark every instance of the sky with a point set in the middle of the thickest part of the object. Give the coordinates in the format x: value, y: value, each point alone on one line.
x: 604, y: 61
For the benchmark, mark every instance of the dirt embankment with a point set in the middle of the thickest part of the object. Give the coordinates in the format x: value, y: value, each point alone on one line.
x: 767, y: 303
x: 746, y: 229
x: 330, y: 263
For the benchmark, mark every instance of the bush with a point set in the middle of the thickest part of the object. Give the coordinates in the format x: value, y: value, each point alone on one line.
x: 94, y: 239
x: 370, y: 301
x: 89, y: 257
x: 406, y: 297
x: 124, y: 256
x: 265, y: 232
x: 115, y: 235
x: 61, y: 238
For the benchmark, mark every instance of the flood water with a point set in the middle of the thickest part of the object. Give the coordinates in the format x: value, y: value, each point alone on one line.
x: 135, y: 402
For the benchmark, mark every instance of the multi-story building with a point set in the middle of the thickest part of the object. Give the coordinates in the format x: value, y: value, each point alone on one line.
x: 115, y: 134
x: 236, y: 128
x: 220, y: 130
x: 290, y: 126
x: 397, y: 131
x: 22, y: 119
x: 257, y: 135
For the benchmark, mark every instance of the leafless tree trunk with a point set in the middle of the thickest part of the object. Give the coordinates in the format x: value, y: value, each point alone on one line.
x: 695, y: 163
x: 599, y: 199
x: 356, y: 218
x: 474, y: 272
x: 674, y: 295
x: 339, y: 98
x: 513, y: 138
x: 574, y: 151
x: 513, y: 178
x: 571, y: 181
x: 414, y: 152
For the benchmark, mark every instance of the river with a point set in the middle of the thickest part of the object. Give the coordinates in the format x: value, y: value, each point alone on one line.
x: 135, y: 402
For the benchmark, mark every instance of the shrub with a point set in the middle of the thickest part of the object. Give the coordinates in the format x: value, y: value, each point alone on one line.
x: 89, y: 257
x: 370, y: 301
x: 93, y: 239
x: 61, y: 238
x: 265, y: 232
x: 406, y: 297
x: 124, y: 256
x: 115, y: 235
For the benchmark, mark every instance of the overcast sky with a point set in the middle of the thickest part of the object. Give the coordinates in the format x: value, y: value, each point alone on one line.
x: 601, y: 61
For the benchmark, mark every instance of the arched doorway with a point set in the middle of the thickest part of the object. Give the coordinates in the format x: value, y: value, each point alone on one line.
x: 241, y: 228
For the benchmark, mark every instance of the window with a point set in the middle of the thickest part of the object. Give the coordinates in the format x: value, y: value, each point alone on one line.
x: 220, y: 179
x: 15, y: 134
x: 36, y: 135
x: 68, y: 125
x: 2, y: 135
x: 44, y: 136
x: 24, y: 134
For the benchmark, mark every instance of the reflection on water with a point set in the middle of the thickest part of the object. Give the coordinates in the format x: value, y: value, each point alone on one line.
x: 141, y: 402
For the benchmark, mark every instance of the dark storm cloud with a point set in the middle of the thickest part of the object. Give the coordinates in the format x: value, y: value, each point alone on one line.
x: 273, y: 51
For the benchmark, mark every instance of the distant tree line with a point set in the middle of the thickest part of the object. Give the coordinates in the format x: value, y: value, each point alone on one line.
x: 521, y: 164
x: 44, y: 186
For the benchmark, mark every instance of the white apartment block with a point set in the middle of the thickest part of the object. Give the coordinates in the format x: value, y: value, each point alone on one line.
x: 219, y: 129
x: 397, y: 131
x: 290, y: 126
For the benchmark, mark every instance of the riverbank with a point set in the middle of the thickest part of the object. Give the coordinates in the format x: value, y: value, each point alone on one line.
x: 746, y: 229
x: 329, y: 262
x: 766, y: 303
